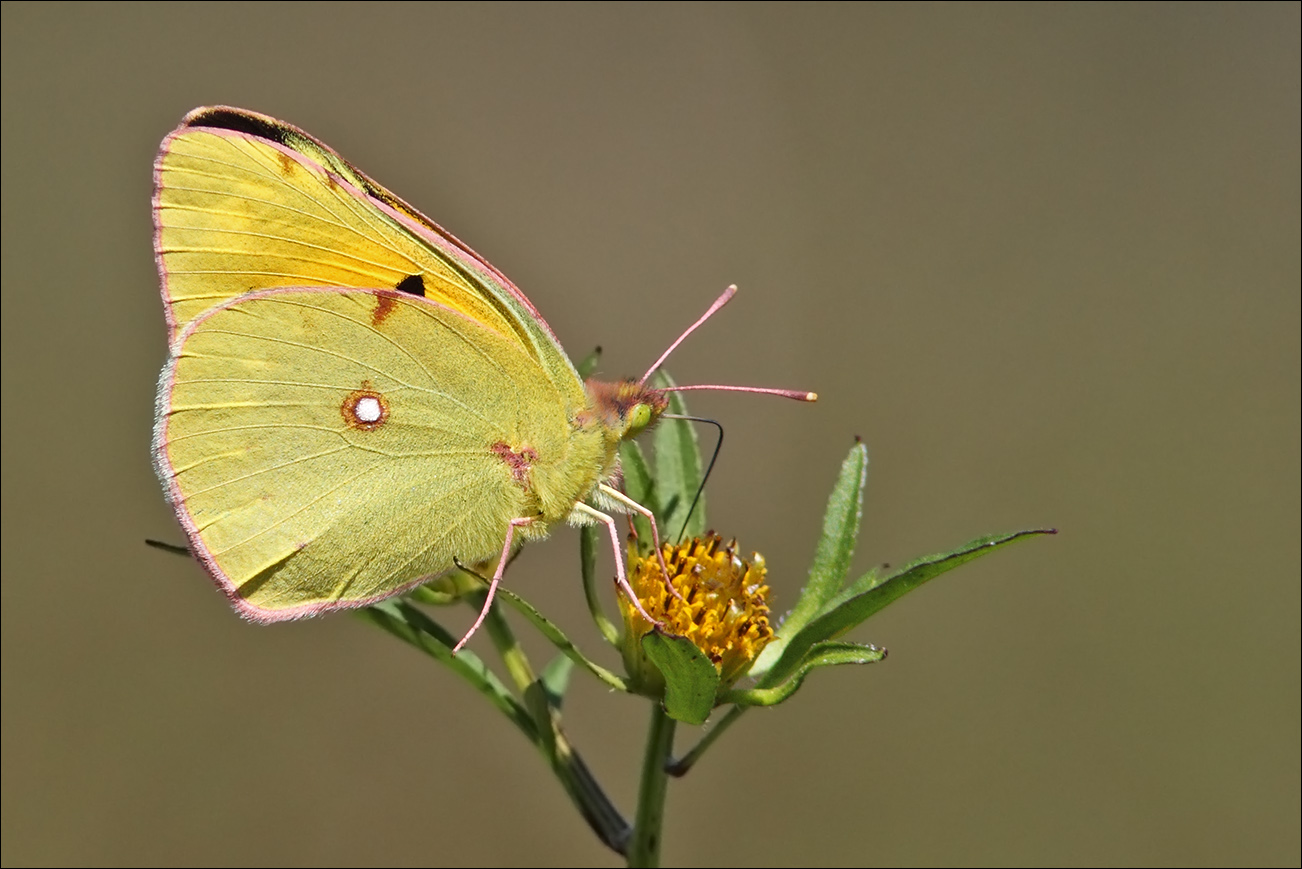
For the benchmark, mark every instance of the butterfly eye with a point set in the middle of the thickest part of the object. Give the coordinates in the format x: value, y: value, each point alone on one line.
x: 640, y: 416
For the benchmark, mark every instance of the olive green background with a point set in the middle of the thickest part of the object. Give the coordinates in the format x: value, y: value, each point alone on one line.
x: 1043, y: 259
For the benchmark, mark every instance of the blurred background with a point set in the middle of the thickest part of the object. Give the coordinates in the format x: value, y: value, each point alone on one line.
x: 1043, y: 259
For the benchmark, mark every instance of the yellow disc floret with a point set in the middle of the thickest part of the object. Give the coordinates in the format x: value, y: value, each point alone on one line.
x: 722, y: 606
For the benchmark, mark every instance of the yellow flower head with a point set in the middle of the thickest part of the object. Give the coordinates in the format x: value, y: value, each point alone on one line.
x: 723, y: 608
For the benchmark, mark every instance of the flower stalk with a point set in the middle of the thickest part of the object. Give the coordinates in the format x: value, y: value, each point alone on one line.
x: 644, y: 848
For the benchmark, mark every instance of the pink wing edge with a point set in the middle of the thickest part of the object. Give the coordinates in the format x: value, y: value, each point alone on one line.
x: 433, y: 233
x: 166, y: 475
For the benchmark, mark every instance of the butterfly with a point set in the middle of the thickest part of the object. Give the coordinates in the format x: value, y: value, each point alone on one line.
x: 355, y: 401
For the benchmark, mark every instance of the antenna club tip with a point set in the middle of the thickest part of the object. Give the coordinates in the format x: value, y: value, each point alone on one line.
x: 811, y: 396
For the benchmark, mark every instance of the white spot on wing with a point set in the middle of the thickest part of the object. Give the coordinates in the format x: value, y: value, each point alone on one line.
x: 367, y: 410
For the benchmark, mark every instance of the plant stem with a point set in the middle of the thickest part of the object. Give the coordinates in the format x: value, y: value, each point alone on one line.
x: 586, y: 793
x: 588, y: 567
x: 644, y: 848
x: 507, y: 646
x: 574, y: 775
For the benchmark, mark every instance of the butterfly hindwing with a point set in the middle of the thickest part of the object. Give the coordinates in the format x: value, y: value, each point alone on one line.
x: 326, y: 447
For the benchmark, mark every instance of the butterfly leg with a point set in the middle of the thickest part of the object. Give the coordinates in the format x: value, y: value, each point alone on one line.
x: 620, y: 577
x: 616, y: 495
x: 492, y: 585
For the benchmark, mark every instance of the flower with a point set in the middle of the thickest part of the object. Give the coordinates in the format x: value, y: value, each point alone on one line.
x: 721, y: 607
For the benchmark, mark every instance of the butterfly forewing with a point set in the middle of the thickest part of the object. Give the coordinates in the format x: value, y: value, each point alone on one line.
x: 244, y: 202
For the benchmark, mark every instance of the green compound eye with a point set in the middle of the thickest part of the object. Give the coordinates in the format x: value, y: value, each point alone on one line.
x: 639, y: 417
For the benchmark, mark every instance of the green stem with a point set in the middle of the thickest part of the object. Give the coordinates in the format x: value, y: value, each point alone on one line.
x: 588, y: 567
x: 411, y: 625
x: 584, y: 790
x: 507, y: 646
x: 586, y: 793
x: 644, y: 848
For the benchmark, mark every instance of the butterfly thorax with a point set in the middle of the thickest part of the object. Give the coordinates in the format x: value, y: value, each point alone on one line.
x: 614, y: 412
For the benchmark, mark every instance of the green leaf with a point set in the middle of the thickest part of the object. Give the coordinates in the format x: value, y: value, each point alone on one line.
x: 874, y: 577
x: 559, y: 640
x: 853, y: 610
x: 691, y: 680
x: 413, y: 626
x: 678, y: 472
x: 410, y: 624
x: 831, y: 557
x: 589, y: 363
x: 836, y: 545
x: 641, y: 487
x: 555, y: 679
x: 819, y: 655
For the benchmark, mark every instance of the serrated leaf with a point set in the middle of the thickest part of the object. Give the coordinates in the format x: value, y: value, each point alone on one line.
x: 855, y: 609
x: 678, y: 472
x: 832, y: 555
x: 829, y: 654
x: 691, y: 681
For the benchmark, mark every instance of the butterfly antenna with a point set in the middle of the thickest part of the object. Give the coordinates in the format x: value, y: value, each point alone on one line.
x: 794, y: 394
x: 718, y: 303
x: 718, y: 446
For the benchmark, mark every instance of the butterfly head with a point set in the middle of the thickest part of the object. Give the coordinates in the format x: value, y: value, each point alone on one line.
x: 627, y: 407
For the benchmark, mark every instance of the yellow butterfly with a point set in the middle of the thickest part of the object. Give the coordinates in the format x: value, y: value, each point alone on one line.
x: 355, y: 400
